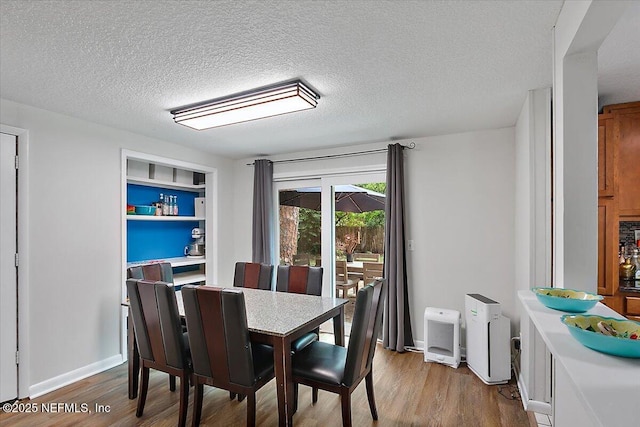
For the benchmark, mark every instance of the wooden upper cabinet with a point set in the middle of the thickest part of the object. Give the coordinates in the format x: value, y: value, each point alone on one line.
x: 627, y: 135
x: 606, y: 156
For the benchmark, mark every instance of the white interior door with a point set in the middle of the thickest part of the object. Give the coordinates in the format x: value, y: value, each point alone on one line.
x: 8, y: 270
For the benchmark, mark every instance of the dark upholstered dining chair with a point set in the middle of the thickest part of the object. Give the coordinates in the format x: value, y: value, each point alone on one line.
x: 340, y: 370
x: 222, y: 353
x: 252, y: 275
x: 161, y: 342
x: 159, y: 271
x: 300, y: 280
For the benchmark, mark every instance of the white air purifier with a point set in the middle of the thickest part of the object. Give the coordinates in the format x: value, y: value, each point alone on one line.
x: 442, y: 336
x: 487, y: 333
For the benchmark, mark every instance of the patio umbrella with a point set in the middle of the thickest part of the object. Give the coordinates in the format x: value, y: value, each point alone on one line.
x: 349, y: 198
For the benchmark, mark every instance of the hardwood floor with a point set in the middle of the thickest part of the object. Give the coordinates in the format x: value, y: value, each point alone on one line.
x: 408, y: 392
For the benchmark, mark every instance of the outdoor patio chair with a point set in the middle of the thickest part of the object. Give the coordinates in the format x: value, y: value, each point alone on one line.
x: 371, y: 271
x: 343, y: 282
x: 301, y: 259
x: 366, y: 257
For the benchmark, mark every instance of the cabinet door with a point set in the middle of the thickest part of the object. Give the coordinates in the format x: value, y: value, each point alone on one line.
x: 607, y: 246
x: 614, y: 303
x: 606, y: 156
x: 627, y: 133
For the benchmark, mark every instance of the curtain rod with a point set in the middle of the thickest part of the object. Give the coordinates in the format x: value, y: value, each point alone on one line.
x: 411, y: 146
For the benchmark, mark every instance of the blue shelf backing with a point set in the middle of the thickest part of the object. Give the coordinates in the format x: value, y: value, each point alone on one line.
x: 142, y: 195
x: 147, y: 240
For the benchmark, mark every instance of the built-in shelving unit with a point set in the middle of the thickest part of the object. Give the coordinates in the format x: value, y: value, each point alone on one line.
x: 149, y: 238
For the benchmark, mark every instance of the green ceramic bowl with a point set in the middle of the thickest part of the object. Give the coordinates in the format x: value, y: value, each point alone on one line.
x: 584, y: 328
x: 568, y: 300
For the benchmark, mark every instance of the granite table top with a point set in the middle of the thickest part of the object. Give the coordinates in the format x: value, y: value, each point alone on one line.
x: 280, y: 313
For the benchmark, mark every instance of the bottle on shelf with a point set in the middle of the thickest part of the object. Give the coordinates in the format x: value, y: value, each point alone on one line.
x: 627, y: 270
x: 175, y: 205
x: 160, y: 205
x: 165, y: 205
x: 635, y: 260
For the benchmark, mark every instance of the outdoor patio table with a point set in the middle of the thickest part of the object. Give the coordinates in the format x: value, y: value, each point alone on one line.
x: 274, y: 318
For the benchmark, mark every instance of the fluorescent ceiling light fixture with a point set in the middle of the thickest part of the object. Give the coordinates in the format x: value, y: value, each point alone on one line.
x: 252, y: 105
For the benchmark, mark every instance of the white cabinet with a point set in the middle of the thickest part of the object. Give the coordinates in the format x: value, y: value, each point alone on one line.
x: 588, y: 388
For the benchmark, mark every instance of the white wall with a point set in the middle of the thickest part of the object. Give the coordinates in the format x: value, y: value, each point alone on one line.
x: 460, y: 212
x: 532, y: 236
x: 533, y: 192
x: 75, y: 235
x: 523, y: 229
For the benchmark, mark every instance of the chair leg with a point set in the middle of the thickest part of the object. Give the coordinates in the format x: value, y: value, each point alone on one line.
x: 241, y: 397
x: 197, y: 404
x: 172, y: 383
x: 314, y: 395
x: 295, y: 397
x: 372, y: 399
x: 251, y: 409
x: 345, y: 400
x: 184, y: 400
x: 142, y: 396
x: 232, y: 395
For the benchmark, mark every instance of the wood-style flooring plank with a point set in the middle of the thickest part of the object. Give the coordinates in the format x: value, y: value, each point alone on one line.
x: 409, y: 392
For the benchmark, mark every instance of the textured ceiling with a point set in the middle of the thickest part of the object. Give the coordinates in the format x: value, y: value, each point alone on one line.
x: 384, y: 70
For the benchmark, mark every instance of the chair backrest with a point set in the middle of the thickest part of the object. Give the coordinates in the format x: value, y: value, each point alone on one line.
x: 218, y: 335
x: 156, y: 322
x: 299, y: 279
x: 252, y: 275
x: 159, y: 271
x: 371, y: 271
x: 341, y: 271
x: 366, y: 257
x: 365, y: 328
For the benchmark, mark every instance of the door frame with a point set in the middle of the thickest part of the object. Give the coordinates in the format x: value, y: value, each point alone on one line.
x: 23, y: 256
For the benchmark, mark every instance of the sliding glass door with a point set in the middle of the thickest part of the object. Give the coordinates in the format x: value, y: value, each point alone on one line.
x: 330, y: 220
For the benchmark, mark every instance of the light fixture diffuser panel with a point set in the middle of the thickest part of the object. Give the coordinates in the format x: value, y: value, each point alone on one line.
x: 251, y: 106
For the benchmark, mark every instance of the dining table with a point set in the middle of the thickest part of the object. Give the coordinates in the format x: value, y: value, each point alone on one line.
x: 274, y: 318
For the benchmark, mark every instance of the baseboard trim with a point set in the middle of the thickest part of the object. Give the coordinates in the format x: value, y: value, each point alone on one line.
x: 65, y: 379
x: 527, y: 403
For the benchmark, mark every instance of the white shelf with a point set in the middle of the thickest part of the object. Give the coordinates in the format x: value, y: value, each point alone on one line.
x: 163, y: 218
x: 175, y: 262
x: 180, y: 279
x: 165, y: 184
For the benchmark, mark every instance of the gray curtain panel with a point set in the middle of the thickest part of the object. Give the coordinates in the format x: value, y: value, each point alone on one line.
x: 396, y: 329
x: 263, y: 225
